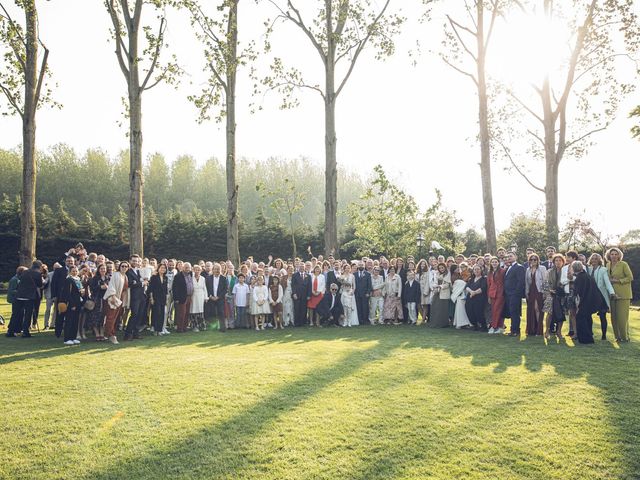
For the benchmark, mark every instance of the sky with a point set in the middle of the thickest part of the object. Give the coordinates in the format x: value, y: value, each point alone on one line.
x: 418, y: 121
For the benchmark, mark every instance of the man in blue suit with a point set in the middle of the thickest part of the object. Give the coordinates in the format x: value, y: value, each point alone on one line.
x: 363, y: 292
x: 514, y: 292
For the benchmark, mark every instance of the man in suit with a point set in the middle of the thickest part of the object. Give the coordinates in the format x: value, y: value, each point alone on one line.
x: 363, y: 292
x: 301, y: 292
x: 550, y: 251
x: 216, y: 290
x: 330, y: 307
x: 332, y: 275
x: 514, y: 291
x: 25, y: 297
x: 137, y: 298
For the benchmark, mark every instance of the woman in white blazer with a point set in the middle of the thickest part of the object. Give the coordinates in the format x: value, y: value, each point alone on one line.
x: 599, y: 274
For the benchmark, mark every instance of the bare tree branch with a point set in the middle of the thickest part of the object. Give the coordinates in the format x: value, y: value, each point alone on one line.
x: 508, y: 154
x: 156, y: 55
x: 13, y: 46
x: 470, y: 75
x: 361, y: 47
x: 11, y: 99
x: 119, y: 42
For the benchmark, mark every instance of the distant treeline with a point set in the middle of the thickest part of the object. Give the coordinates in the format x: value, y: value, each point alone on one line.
x: 95, y: 185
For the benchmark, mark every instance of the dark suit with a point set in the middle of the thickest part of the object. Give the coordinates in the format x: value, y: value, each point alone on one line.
x: 329, y: 315
x: 26, y: 295
x: 331, y: 278
x: 402, y: 273
x: 158, y: 291
x: 301, y: 287
x: 362, y: 294
x: 514, y: 292
x: 137, y: 302
x: 57, y: 281
x: 217, y: 306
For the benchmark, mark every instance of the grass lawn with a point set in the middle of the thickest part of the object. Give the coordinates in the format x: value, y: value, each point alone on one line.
x: 362, y: 403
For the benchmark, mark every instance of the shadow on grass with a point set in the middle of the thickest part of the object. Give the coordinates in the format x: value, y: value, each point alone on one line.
x: 221, y: 450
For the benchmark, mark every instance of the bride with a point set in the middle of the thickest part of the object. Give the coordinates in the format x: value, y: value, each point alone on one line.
x: 347, y: 281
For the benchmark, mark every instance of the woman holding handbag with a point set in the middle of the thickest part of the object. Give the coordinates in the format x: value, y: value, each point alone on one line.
x: 117, y: 300
x: 72, y: 296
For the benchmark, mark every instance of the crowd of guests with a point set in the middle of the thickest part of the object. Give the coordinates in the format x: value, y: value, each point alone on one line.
x: 86, y: 293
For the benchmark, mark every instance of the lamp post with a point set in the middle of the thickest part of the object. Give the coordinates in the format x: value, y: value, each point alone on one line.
x: 420, y: 243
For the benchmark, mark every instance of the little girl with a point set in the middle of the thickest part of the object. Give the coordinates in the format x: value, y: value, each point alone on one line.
x: 275, y: 299
x: 251, y: 302
x: 260, y: 302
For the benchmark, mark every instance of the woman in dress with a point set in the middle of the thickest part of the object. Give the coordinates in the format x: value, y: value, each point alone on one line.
x: 158, y: 298
x: 621, y: 277
x: 555, y: 303
x: 229, y: 306
x: 318, y: 288
x: 477, y: 299
x: 348, y: 299
x: 422, y: 275
x: 599, y: 274
x: 85, y: 276
x: 276, y: 295
x: 441, y: 289
x: 198, y: 297
x: 98, y: 286
x: 260, y: 304
x: 459, y: 298
x: 72, y: 294
x: 392, y: 311
x: 287, y: 300
x: 495, y: 295
x: 534, y: 290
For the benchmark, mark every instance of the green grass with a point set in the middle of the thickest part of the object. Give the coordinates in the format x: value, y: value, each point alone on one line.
x: 362, y: 403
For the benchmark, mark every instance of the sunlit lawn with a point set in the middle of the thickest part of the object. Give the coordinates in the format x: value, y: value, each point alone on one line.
x: 362, y: 403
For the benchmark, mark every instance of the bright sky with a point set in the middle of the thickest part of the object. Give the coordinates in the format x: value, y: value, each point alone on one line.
x: 419, y: 122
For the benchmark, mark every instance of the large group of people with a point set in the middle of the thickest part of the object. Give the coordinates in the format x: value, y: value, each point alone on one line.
x: 88, y: 294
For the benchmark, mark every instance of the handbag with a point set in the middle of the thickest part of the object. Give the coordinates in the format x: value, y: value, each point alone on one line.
x: 89, y: 305
x: 62, y: 307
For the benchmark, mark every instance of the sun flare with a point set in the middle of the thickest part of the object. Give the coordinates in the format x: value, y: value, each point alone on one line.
x: 528, y: 49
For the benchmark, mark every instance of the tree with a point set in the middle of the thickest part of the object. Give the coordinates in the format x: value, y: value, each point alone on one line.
x: 579, y: 234
x: 219, y: 35
x: 339, y: 33
x: 287, y: 199
x: 458, y: 38
x: 23, y: 70
x: 631, y: 237
x: 387, y: 220
x: 127, y: 25
x: 525, y: 231
x: 586, y: 78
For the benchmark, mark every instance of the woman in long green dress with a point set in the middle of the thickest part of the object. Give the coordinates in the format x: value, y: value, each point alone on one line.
x: 621, y: 278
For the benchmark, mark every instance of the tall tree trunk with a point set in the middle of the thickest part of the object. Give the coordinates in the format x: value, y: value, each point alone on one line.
x: 330, y: 143
x: 233, y: 237
x: 136, y: 179
x: 485, y: 148
x: 28, y: 198
x: 331, y: 178
x: 551, y: 201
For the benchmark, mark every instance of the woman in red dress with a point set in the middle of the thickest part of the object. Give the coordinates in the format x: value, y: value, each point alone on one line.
x: 318, y: 286
x: 495, y: 283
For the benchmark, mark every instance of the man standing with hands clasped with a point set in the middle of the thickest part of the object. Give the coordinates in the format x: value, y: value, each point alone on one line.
x: 514, y: 291
x: 362, y: 293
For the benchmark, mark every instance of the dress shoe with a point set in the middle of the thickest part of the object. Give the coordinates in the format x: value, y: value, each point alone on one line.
x: 127, y: 338
x: 26, y: 335
x: 11, y: 335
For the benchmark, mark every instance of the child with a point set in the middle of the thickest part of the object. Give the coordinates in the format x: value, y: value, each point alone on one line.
x: 251, y: 301
x: 411, y: 294
x: 240, y: 294
x: 275, y: 299
x: 260, y: 306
